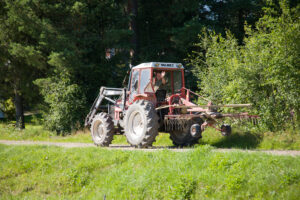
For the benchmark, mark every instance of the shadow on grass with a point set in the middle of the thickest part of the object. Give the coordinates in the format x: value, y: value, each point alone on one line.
x: 237, y: 140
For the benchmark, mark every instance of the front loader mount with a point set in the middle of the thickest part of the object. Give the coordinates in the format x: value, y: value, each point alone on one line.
x: 106, y: 93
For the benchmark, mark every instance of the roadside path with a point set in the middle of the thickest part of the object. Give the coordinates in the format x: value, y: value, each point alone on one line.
x: 129, y: 148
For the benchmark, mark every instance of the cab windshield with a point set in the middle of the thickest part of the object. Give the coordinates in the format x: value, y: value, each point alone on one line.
x: 169, y: 81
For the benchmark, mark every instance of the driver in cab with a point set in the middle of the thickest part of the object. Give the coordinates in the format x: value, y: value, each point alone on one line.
x: 159, y: 80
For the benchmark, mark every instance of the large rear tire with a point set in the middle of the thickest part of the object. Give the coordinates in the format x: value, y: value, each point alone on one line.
x: 184, y: 137
x: 141, y: 124
x: 102, y: 129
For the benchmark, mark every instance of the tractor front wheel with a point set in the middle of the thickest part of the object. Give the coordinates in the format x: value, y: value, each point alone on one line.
x: 102, y: 129
x: 141, y: 124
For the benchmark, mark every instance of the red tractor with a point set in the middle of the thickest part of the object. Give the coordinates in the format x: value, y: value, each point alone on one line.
x: 155, y: 100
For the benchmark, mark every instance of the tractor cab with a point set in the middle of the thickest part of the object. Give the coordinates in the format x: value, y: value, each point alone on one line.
x: 156, y: 81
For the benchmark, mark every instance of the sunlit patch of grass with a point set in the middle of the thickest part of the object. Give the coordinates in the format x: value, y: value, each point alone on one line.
x: 163, y: 139
x: 39, y: 172
x: 32, y: 132
x: 282, y: 140
x: 38, y: 133
x: 119, y: 139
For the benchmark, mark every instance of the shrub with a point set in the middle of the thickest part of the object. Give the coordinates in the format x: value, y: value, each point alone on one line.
x: 264, y: 71
x: 9, y: 109
x: 66, y: 103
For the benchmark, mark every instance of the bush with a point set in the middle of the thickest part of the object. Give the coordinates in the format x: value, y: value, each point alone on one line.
x: 66, y: 103
x: 264, y: 72
x: 9, y: 110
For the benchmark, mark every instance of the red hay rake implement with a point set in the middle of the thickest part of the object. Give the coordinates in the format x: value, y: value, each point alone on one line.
x: 208, y: 113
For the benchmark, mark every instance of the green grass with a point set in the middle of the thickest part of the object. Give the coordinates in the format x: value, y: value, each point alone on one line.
x: 41, y: 172
x: 38, y: 133
x: 240, y: 139
x: 252, y: 140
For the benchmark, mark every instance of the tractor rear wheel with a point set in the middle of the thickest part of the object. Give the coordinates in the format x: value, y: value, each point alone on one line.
x: 141, y: 124
x: 102, y: 129
x: 184, y: 137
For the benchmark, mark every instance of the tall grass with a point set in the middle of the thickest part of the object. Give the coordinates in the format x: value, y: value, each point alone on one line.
x: 39, y: 172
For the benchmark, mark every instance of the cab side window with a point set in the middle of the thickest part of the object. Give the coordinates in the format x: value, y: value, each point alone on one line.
x: 145, y: 80
x: 134, y: 84
x: 134, y: 81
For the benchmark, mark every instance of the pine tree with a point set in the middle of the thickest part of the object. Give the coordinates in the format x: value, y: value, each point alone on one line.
x: 21, y: 58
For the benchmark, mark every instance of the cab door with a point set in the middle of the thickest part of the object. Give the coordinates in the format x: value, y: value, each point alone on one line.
x: 145, y: 81
x: 134, y: 84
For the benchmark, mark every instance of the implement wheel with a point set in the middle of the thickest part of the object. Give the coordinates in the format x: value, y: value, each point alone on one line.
x: 226, y: 130
x: 102, y: 129
x: 141, y: 124
x: 184, y: 137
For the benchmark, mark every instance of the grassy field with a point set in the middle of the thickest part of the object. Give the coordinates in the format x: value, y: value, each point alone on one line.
x: 41, y: 172
x: 239, y: 139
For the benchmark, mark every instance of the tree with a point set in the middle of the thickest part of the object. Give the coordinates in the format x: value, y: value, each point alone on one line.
x: 77, y: 62
x: 169, y: 30
x: 63, y: 44
x: 21, y: 58
x: 132, y: 12
x: 265, y: 71
x: 231, y: 15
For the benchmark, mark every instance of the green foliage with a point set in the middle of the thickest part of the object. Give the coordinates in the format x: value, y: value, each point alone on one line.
x: 9, y: 108
x: 221, y: 16
x: 66, y: 103
x: 63, y: 45
x: 37, y: 172
x: 78, y: 66
x: 264, y: 72
x: 168, y: 31
x: 21, y: 58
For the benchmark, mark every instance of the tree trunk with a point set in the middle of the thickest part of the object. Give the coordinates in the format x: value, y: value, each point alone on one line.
x: 20, y: 124
x: 132, y: 10
x: 241, y: 29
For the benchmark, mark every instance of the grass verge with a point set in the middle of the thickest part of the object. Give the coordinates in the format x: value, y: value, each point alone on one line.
x: 40, y: 172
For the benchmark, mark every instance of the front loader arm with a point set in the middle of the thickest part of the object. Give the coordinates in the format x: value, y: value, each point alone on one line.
x: 104, y: 94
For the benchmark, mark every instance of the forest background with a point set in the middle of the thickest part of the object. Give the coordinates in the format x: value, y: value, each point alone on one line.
x: 55, y: 55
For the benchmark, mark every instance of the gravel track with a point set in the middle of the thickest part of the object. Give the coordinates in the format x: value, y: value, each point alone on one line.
x: 129, y: 148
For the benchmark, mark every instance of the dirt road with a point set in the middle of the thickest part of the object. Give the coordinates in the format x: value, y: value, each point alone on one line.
x: 129, y: 148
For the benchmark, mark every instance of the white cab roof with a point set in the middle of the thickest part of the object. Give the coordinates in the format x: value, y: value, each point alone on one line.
x: 159, y: 65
